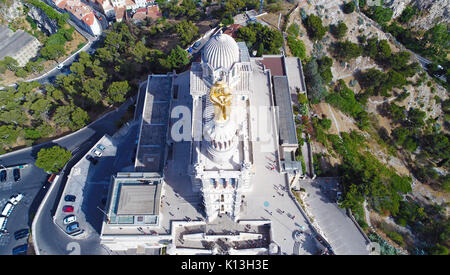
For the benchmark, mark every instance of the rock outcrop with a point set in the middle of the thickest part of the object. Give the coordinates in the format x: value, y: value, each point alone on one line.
x: 10, y: 9
x: 431, y: 12
x: 44, y: 23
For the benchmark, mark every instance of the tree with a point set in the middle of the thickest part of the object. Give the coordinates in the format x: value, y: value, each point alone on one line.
x: 347, y: 50
x: 407, y: 14
x: 297, y: 47
x: 339, y: 30
x: 53, y: 52
x: 8, y: 135
x: 79, y: 118
x: 177, y: 59
x: 140, y: 52
x: 53, y: 159
x: 186, y: 31
x: 416, y: 118
x: 117, y: 91
x: 380, y: 14
x: 316, y: 89
x: 314, y: 27
x: 349, y: 7
x: 92, y: 88
x: 10, y: 63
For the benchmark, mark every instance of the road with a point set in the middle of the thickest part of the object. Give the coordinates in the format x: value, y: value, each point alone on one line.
x: 50, y: 76
x: 32, y: 183
x: 51, y: 239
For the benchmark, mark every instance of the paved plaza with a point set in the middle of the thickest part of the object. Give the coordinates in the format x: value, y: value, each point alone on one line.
x: 338, y: 228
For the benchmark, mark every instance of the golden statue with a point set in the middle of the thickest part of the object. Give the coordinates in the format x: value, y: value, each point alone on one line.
x: 220, y: 96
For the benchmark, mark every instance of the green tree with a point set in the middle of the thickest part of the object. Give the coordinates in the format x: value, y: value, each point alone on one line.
x: 314, y: 27
x: 8, y: 135
x: 297, y: 47
x: 186, y: 31
x: 407, y: 14
x: 117, y: 91
x: 177, y: 59
x: 349, y: 7
x: 53, y: 159
x: 79, y: 118
x: 347, y: 50
x: 10, y: 63
x: 339, y: 30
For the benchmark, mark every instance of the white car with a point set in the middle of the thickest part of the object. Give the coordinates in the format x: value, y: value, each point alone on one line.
x: 15, y: 199
x: 60, y: 66
x: 70, y: 219
x: 97, y: 152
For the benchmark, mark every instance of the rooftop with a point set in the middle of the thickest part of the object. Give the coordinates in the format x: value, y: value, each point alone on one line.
x: 286, y: 123
x: 137, y: 199
x: 11, y: 42
x: 154, y: 125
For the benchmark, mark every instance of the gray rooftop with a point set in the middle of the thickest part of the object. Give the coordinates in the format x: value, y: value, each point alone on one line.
x: 154, y: 125
x: 245, y: 56
x: 137, y: 199
x: 11, y: 42
x: 287, y: 132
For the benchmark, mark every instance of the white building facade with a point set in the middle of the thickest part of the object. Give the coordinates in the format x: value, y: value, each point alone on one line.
x: 221, y: 161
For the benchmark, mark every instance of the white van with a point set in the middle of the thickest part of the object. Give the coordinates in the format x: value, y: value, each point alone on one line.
x: 15, y: 199
x: 7, y: 209
x: 3, y: 221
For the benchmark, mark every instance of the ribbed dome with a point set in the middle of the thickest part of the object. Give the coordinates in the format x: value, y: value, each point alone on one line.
x: 221, y: 51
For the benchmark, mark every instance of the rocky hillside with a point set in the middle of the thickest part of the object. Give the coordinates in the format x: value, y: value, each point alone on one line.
x: 9, y: 10
x: 430, y: 11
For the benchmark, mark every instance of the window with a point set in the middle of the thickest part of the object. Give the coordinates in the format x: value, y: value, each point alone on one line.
x: 221, y: 198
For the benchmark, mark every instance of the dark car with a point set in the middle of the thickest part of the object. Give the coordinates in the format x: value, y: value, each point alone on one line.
x: 21, y: 233
x: 92, y: 159
x: 20, y: 250
x: 71, y: 198
x: 68, y: 209
x: 73, y: 228
x: 16, y: 173
x: 3, y: 175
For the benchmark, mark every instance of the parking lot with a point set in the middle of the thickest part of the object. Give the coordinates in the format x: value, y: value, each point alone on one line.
x: 89, y: 181
x: 30, y: 182
x: 85, y: 180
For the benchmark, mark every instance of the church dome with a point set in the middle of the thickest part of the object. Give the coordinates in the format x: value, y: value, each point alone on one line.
x: 221, y: 51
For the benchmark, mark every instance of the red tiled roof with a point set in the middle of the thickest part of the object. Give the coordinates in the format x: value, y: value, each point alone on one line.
x: 275, y: 64
x: 89, y: 19
x: 120, y: 12
x: 154, y: 12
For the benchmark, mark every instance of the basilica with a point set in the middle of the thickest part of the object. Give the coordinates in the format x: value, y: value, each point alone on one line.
x: 239, y: 147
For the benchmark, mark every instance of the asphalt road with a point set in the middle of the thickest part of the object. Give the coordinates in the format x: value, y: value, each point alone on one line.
x: 32, y: 184
x: 50, y: 238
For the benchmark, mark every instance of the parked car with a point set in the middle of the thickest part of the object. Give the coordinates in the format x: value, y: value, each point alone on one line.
x: 21, y: 233
x: 92, y: 159
x: 15, y: 199
x: 69, y: 219
x: 196, y: 45
x: 97, y: 153
x: 60, y: 66
x: 101, y: 147
x: 16, y: 173
x: 73, y: 228
x: 68, y: 209
x: 20, y: 250
x: 71, y: 198
x: 3, y: 175
x: 338, y: 196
